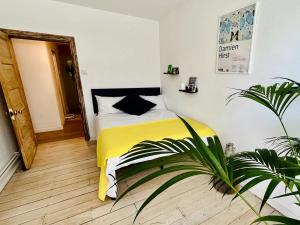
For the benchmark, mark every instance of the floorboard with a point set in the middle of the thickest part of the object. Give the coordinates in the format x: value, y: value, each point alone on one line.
x: 61, y: 188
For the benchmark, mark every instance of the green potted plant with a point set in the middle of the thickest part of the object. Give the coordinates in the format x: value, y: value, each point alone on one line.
x: 280, y: 165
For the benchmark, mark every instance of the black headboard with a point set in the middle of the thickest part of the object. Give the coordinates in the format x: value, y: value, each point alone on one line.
x: 118, y: 92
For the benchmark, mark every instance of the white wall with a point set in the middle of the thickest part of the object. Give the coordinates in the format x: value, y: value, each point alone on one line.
x: 116, y: 50
x: 38, y: 81
x: 8, y: 145
x: 188, y: 38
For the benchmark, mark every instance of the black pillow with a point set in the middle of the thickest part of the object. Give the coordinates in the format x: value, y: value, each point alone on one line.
x: 134, y: 105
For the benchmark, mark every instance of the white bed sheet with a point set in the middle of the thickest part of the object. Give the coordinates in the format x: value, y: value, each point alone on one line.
x: 123, y: 119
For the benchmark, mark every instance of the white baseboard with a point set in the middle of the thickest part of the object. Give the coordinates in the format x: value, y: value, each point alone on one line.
x: 9, y: 169
x: 93, y: 139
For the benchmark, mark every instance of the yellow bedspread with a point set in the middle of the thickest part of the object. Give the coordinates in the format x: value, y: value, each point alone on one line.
x: 116, y: 141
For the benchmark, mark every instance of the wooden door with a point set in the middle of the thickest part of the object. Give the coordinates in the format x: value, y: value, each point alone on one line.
x: 15, y: 98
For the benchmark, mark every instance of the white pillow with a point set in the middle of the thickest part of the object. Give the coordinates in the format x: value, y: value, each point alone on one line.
x: 105, y: 104
x: 158, y: 100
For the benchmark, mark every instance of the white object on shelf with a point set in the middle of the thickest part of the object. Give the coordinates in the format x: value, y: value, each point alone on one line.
x: 182, y: 86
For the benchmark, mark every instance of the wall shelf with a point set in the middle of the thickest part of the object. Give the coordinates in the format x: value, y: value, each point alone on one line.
x: 172, y: 73
x: 189, y: 92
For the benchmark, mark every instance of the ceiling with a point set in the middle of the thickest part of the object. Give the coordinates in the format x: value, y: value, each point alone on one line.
x: 150, y: 9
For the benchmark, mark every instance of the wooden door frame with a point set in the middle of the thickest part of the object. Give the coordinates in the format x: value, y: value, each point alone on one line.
x: 61, y: 39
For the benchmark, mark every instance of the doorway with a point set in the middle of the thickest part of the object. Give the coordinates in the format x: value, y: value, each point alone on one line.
x: 48, y: 76
x: 67, y: 85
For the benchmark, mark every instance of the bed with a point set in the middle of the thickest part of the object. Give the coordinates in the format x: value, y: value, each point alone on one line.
x: 117, y: 132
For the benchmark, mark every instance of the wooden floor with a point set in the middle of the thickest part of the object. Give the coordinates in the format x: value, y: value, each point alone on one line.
x: 61, y: 188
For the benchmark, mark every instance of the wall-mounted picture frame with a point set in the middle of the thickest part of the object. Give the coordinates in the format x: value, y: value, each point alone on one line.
x: 235, y: 40
x: 192, y: 85
x: 175, y: 70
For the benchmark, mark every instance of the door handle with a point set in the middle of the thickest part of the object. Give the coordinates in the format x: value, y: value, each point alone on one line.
x: 11, y: 114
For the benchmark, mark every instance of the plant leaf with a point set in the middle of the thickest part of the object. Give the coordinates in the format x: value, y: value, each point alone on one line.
x: 280, y: 219
x: 271, y: 187
x: 160, y: 173
x: 288, y: 194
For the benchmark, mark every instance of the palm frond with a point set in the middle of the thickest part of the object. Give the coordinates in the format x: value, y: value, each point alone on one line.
x: 276, y: 97
x: 155, y: 163
x: 288, y: 194
x: 288, y: 79
x: 280, y: 219
x: 210, y: 155
x: 262, y: 165
x: 158, y: 173
x: 282, y: 145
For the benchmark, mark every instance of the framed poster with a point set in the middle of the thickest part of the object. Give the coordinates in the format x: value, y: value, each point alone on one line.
x: 235, y: 40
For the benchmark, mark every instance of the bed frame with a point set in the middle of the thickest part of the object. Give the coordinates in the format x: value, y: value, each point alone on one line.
x: 118, y: 92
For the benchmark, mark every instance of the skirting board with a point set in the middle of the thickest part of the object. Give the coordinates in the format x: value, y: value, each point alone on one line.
x: 9, y: 170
